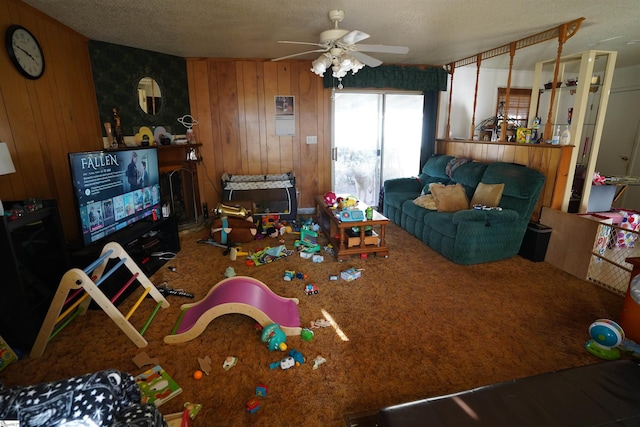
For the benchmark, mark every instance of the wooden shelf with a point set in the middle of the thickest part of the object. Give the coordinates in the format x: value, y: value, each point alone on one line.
x: 515, y: 144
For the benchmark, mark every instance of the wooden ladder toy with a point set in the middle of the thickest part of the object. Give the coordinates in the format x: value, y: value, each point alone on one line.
x: 77, y: 289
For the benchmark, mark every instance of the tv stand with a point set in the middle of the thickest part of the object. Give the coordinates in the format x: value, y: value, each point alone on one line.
x: 140, y: 240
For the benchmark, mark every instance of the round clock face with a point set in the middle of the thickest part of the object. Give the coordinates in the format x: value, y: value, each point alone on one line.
x: 25, y: 52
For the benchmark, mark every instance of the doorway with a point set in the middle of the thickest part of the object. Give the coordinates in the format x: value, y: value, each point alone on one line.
x: 376, y: 136
x: 619, y: 147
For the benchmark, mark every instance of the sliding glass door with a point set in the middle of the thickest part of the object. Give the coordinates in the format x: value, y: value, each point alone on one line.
x: 376, y: 136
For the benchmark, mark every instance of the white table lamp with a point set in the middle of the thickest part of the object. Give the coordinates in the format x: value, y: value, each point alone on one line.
x: 6, y: 166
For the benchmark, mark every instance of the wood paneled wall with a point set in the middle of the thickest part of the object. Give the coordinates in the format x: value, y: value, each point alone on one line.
x: 43, y: 120
x: 234, y: 103
x: 551, y: 160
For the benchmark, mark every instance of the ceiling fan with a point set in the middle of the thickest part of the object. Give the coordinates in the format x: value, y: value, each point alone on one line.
x: 342, y: 51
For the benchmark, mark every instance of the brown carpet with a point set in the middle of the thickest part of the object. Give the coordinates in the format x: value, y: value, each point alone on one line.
x: 414, y: 326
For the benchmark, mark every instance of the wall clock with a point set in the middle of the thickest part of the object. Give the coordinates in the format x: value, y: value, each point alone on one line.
x: 25, y: 52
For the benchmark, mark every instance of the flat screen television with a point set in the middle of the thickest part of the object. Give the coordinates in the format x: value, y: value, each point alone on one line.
x: 114, y: 189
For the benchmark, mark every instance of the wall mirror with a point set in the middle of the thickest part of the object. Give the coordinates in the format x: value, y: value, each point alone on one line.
x: 149, y: 95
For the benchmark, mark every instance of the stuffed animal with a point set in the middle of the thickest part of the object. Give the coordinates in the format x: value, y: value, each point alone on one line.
x: 231, y: 230
x: 330, y: 198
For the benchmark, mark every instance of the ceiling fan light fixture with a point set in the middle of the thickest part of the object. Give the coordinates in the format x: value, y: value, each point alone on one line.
x: 341, y: 50
x: 345, y: 60
x: 356, y: 65
x: 320, y: 65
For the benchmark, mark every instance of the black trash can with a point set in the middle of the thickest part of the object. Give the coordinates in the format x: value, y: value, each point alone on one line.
x: 535, y: 242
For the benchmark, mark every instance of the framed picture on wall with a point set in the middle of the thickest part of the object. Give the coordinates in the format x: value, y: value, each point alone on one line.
x: 285, y: 116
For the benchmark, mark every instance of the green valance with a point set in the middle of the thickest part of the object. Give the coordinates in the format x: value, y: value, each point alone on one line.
x: 405, y: 77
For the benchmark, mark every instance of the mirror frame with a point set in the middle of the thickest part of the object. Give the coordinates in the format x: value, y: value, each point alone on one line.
x: 159, y: 96
x: 134, y: 92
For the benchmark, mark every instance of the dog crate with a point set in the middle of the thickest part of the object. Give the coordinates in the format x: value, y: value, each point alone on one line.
x: 272, y: 194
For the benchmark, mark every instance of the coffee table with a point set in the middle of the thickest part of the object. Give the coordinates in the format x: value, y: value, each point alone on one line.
x: 337, y: 232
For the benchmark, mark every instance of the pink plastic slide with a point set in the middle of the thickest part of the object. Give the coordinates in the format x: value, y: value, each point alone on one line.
x: 240, y: 294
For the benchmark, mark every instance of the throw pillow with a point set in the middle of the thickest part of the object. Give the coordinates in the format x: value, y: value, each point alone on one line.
x: 449, y: 198
x: 487, y: 194
x: 427, y: 201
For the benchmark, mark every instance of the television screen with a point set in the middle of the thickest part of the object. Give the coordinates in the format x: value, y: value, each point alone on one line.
x: 114, y: 188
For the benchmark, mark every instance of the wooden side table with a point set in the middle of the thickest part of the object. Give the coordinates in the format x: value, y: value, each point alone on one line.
x: 336, y: 231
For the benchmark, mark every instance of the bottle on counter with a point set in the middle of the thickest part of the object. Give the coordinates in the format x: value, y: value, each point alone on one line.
x: 556, y: 136
x: 565, y: 136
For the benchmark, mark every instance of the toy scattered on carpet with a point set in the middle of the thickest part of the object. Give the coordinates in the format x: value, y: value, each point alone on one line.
x: 229, y: 272
x: 226, y: 229
x: 231, y: 211
x: 254, y: 404
x: 308, y: 241
x: 274, y: 337
x: 606, y: 336
x: 143, y: 359
x: 307, y: 334
x: 289, y: 275
x: 183, y: 419
x: 319, y: 323
x: 268, y: 255
x: 157, y: 386
x: 165, y: 290
x: 631, y: 348
x: 234, y: 253
x: 261, y: 390
x: 205, y: 364
x: 351, y: 274
x: 319, y: 360
x: 241, y: 295
x: 295, y: 358
x: 229, y: 362
x: 311, y: 289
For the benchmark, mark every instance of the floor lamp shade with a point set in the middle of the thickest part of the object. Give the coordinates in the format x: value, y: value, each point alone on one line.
x: 6, y: 164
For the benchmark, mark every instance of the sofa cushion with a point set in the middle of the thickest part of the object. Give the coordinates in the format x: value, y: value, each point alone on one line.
x: 469, y: 175
x: 449, y: 198
x: 487, y: 194
x: 522, y: 186
x: 435, y: 167
x: 426, y: 201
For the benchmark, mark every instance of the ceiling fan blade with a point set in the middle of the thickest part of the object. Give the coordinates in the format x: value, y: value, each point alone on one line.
x: 366, y: 59
x: 307, y: 43
x: 298, y: 54
x: 380, y: 48
x: 353, y: 37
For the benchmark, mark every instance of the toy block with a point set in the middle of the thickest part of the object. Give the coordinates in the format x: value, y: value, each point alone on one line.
x: 261, y: 390
x: 253, y: 405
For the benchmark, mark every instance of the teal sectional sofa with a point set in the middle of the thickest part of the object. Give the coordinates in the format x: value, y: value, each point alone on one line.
x: 467, y: 236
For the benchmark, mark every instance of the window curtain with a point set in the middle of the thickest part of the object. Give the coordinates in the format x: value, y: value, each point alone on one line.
x: 429, y: 81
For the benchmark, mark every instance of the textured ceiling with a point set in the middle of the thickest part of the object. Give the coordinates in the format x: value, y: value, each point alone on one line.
x: 436, y: 31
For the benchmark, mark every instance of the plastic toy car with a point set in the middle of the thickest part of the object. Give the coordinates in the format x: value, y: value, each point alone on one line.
x: 311, y: 289
x: 287, y: 362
